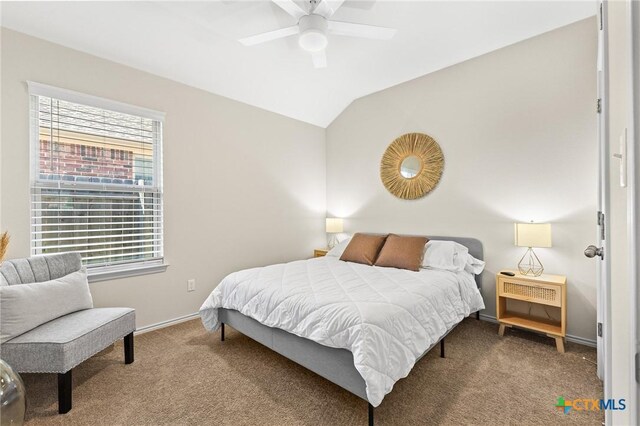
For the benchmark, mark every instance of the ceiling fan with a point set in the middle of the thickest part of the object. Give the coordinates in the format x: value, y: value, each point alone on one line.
x: 313, y: 26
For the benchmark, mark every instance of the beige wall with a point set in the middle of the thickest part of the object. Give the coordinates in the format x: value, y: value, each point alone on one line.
x: 243, y: 186
x: 518, y: 130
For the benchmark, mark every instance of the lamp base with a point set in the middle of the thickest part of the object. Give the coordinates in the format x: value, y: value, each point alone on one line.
x: 530, y: 264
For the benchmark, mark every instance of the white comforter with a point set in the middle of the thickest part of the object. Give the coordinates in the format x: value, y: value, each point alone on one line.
x: 386, y: 317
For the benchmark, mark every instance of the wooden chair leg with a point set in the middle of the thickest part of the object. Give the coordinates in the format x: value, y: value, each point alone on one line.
x: 370, y: 415
x: 442, y: 348
x: 128, y: 348
x: 222, y: 332
x: 65, y: 387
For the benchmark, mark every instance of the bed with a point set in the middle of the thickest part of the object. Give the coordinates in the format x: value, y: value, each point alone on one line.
x: 360, y: 327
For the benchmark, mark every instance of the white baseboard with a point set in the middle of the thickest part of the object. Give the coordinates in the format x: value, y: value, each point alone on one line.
x: 167, y: 323
x: 581, y: 341
x: 570, y: 338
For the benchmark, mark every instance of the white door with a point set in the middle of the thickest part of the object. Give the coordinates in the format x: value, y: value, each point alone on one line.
x: 601, y: 249
x: 634, y: 204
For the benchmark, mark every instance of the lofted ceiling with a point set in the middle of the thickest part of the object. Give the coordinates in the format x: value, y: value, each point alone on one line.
x: 196, y: 43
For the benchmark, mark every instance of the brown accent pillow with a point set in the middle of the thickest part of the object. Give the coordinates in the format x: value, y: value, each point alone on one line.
x: 363, y: 248
x: 402, y: 252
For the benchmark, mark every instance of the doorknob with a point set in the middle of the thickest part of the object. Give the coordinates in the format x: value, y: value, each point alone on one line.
x: 593, y: 251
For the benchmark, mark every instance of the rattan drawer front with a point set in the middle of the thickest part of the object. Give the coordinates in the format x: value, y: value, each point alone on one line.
x: 538, y: 293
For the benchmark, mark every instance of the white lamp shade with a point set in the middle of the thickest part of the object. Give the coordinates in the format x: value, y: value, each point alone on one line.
x: 533, y: 234
x: 334, y: 225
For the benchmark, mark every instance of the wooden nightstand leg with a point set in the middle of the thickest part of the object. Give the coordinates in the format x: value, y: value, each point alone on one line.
x: 559, y: 343
x: 501, y: 330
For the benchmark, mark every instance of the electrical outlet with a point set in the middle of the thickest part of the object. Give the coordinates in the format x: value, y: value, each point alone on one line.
x: 191, y: 284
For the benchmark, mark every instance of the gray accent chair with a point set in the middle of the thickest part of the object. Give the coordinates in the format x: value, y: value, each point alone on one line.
x: 61, y: 344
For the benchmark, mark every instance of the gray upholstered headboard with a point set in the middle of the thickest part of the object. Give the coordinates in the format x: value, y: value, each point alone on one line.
x: 475, y: 249
x: 39, y: 268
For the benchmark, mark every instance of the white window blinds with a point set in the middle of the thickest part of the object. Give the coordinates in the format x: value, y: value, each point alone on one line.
x: 96, y: 179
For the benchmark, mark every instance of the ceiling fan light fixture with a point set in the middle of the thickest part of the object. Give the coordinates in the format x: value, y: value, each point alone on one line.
x: 314, y: 24
x: 312, y: 41
x: 313, y: 33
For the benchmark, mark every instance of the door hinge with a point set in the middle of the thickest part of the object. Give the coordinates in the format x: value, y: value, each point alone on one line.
x: 599, y: 329
x: 601, y: 17
x: 601, y: 225
x: 599, y: 106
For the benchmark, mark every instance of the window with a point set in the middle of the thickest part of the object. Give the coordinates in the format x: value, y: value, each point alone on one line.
x: 96, y: 180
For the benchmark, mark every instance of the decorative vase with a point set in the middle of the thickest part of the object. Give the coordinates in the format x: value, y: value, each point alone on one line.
x: 12, y: 396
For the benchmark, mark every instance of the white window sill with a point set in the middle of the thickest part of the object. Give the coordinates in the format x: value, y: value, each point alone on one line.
x: 106, y: 274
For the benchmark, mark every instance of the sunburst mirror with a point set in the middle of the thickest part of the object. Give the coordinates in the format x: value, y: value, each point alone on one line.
x: 412, y: 166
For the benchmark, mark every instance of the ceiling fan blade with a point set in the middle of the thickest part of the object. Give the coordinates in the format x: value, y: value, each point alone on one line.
x: 327, y: 8
x: 361, y: 30
x: 319, y: 59
x: 291, y: 8
x: 268, y: 36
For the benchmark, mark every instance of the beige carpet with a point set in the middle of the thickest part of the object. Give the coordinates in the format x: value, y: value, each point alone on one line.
x: 182, y: 375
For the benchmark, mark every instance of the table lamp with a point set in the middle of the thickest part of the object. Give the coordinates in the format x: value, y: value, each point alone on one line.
x: 334, y: 227
x: 532, y: 235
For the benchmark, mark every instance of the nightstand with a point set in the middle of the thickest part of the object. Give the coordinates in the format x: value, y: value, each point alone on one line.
x: 320, y: 252
x: 545, y: 290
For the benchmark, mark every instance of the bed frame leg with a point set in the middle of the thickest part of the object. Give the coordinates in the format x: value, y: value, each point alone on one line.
x: 478, y: 315
x: 442, y: 348
x: 222, y: 332
x: 370, y: 415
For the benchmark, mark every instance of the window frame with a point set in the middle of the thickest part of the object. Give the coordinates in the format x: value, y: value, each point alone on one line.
x: 102, y: 272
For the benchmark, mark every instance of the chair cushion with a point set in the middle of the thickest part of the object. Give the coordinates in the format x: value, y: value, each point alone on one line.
x: 59, y: 345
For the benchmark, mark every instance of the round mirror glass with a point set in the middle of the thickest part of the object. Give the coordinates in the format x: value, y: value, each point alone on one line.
x: 410, y: 167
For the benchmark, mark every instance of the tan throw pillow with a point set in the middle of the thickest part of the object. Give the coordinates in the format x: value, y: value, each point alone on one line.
x: 402, y: 252
x: 363, y: 248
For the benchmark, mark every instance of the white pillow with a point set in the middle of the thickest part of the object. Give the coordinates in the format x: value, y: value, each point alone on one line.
x: 339, y: 248
x: 450, y: 256
x: 474, y: 266
x: 26, y: 306
x: 343, y: 236
x: 445, y: 255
